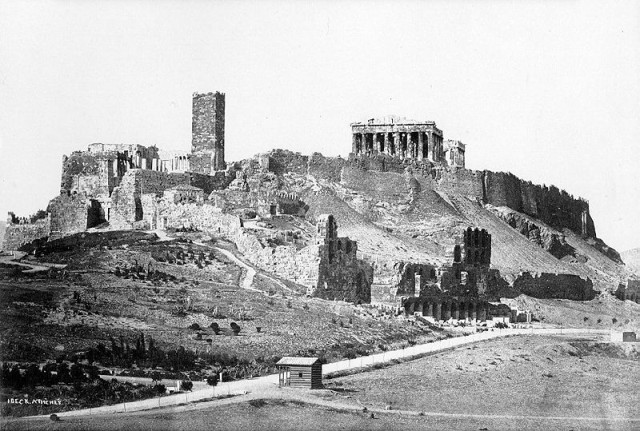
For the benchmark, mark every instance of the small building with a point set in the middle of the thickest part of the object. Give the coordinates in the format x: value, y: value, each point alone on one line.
x: 300, y: 372
x: 623, y: 337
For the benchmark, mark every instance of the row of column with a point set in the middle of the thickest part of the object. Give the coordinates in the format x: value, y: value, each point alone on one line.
x: 450, y: 309
x: 178, y: 163
x: 410, y: 145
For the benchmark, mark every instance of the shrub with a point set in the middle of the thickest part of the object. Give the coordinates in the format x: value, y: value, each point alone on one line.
x: 161, y: 389
x: 195, y: 327
x: 186, y: 385
x: 305, y: 306
x: 585, y: 318
x: 212, y: 380
x: 599, y: 320
x: 289, y: 304
x: 215, y: 328
x: 614, y: 320
x: 235, y: 328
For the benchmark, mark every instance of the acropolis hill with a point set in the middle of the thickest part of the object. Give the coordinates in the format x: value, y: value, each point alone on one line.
x: 400, y: 223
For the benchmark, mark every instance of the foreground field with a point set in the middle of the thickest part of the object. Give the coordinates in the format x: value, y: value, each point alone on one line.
x: 529, y: 375
x: 524, y: 383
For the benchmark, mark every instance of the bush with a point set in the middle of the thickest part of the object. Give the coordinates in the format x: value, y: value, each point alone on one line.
x: 289, y: 304
x: 212, y: 380
x: 195, y: 327
x: 186, y: 385
x: 161, y: 389
x: 614, y: 320
x: 215, y: 328
x: 235, y: 328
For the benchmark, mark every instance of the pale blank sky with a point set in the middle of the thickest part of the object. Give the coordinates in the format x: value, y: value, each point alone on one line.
x: 547, y: 90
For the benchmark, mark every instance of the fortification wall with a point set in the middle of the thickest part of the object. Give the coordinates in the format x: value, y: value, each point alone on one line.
x: 326, y: 168
x: 217, y: 181
x: 17, y: 235
x: 461, y: 181
x: 555, y: 207
x: 283, y: 260
x: 554, y: 286
x: 126, y: 203
x: 69, y: 214
x: 281, y: 161
x: 203, y: 217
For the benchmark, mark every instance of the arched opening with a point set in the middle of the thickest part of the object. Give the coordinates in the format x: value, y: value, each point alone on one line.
x: 457, y: 254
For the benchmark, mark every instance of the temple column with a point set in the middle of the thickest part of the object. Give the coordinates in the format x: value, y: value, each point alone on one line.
x: 455, y: 310
x: 420, y: 145
x: 409, y: 154
x: 472, y: 312
x: 437, y: 315
x: 354, y: 143
x: 430, y: 146
x: 396, y: 143
x: 386, y: 143
x: 376, y: 143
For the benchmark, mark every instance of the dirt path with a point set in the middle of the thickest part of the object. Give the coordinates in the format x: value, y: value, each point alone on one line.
x: 32, y: 267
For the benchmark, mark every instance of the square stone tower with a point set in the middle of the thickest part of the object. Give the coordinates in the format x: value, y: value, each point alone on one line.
x: 207, y: 133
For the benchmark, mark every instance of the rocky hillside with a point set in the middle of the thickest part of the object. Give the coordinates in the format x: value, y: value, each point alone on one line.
x: 410, y: 216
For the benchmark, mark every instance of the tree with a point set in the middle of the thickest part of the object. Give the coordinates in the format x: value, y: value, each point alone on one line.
x: 77, y: 374
x: 212, y: 380
x: 186, y: 385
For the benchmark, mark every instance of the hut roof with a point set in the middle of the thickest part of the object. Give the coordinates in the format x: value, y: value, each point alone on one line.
x: 292, y: 360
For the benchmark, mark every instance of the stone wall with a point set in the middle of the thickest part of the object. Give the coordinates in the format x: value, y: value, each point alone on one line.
x: 461, y: 181
x: 70, y: 213
x: 281, y: 161
x: 286, y: 261
x: 126, y: 203
x: 204, y: 217
x: 326, y: 168
x: 17, y: 235
x: 219, y: 180
x: 554, y: 286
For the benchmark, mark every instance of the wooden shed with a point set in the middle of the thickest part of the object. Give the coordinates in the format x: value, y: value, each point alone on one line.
x: 300, y: 372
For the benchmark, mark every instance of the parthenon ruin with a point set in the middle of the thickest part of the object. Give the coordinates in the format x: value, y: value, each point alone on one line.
x: 398, y: 137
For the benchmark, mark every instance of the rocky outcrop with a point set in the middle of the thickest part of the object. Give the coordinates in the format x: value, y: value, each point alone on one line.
x: 549, y: 240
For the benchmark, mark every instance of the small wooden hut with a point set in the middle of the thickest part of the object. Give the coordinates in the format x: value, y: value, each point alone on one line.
x: 300, y: 372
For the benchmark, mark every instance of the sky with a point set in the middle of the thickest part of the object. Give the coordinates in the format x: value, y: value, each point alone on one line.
x: 547, y: 90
